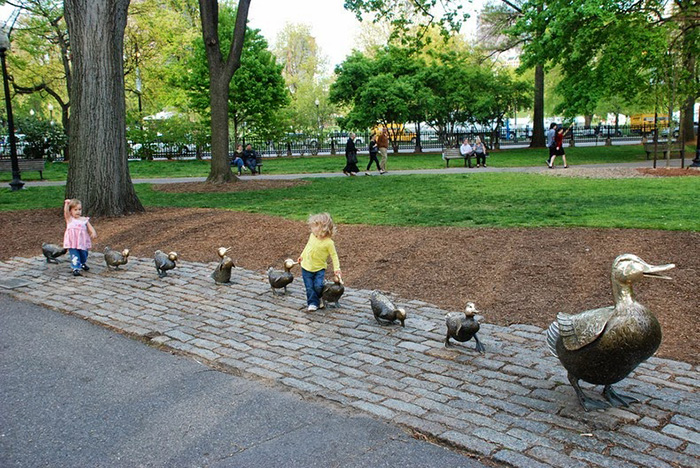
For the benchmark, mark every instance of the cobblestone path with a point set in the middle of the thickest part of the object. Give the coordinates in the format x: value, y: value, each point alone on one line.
x: 513, y: 404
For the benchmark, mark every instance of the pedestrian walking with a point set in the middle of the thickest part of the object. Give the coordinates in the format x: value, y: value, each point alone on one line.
x: 373, y: 150
x: 551, y: 147
x: 383, y: 145
x: 351, y: 168
x: 559, y: 145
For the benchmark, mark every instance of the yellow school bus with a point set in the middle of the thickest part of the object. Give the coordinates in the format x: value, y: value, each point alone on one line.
x: 647, y: 120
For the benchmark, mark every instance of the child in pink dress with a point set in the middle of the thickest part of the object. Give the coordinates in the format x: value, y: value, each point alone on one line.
x: 78, y: 236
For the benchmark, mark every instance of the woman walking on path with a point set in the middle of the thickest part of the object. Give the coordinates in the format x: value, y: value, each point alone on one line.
x: 383, y: 144
x: 551, y: 133
x: 373, y: 150
x: 351, y: 157
x: 559, y: 146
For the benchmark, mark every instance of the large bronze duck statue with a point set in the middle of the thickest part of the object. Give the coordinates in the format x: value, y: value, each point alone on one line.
x: 603, y: 346
x: 115, y: 258
x: 281, y: 279
x: 222, y: 273
x: 463, y: 326
x: 385, y: 312
x: 332, y: 291
x: 164, y: 262
x: 52, y: 252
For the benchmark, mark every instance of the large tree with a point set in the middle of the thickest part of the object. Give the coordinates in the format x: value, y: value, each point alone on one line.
x: 221, y: 70
x: 257, y: 90
x: 608, y: 48
x: 41, y: 58
x: 378, y: 90
x: 99, y: 173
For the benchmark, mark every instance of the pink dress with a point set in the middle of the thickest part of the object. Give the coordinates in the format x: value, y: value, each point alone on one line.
x: 77, y: 236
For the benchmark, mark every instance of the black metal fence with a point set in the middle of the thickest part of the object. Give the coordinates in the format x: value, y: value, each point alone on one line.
x: 326, y: 143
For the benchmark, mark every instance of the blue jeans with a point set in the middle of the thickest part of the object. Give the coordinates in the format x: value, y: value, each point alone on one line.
x: 238, y: 162
x: 78, y: 258
x: 313, y: 282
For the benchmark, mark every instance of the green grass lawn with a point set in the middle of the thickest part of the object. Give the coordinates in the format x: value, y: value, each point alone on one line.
x: 470, y: 200
x: 316, y: 164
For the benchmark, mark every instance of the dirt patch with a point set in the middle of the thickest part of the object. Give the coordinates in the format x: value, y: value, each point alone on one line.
x: 513, y: 275
x: 670, y: 172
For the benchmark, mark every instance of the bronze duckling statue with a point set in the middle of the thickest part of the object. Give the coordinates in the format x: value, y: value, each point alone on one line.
x: 603, y: 346
x: 52, y: 252
x: 463, y: 326
x: 164, y: 262
x: 332, y: 290
x: 384, y: 310
x: 222, y: 273
x: 280, y: 279
x: 115, y: 258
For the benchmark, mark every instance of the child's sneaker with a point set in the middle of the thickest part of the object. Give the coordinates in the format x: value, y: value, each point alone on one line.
x: 312, y: 308
x: 77, y: 273
x: 86, y: 268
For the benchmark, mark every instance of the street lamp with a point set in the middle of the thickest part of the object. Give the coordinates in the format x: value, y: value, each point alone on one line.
x: 50, y: 107
x: 16, y: 182
x: 318, y: 125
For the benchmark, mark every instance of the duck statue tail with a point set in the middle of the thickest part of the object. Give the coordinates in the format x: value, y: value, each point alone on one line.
x: 552, y: 337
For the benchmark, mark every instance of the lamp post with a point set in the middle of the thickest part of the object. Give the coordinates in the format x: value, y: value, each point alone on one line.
x: 50, y: 107
x: 318, y: 126
x: 16, y: 182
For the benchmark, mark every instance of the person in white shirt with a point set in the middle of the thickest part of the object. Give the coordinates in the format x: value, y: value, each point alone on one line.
x: 467, y: 151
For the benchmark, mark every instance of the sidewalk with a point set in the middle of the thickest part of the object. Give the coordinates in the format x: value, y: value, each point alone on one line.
x: 448, y: 170
x: 512, y: 405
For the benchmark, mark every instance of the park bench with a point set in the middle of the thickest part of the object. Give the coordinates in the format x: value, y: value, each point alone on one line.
x: 453, y: 153
x: 24, y: 166
x: 662, y: 148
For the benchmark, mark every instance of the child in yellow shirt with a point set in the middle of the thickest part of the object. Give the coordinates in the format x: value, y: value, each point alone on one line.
x: 314, y: 258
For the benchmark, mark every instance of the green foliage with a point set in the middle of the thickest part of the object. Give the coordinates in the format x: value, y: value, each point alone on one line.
x: 445, y: 89
x: 42, y: 139
x: 257, y: 91
x: 156, y: 40
x: 609, y: 50
x: 412, y: 21
x: 495, y: 200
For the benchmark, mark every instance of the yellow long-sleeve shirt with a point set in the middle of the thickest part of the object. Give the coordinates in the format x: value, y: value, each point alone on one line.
x: 315, y: 254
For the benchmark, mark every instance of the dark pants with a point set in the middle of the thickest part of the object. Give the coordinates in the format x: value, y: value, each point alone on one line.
x: 480, y: 158
x: 78, y: 258
x: 251, y: 163
x: 313, y: 282
x: 373, y: 157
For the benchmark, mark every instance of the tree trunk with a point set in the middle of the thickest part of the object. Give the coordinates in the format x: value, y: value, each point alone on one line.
x: 220, y: 171
x: 538, y: 138
x: 99, y: 173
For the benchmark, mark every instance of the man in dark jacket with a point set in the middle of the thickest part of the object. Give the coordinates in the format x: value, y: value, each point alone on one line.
x: 250, y: 158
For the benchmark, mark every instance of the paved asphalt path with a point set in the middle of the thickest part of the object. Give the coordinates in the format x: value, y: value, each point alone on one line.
x: 73, y: 394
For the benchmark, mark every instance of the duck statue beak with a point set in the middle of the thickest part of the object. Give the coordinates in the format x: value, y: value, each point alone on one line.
x: 653, y: 271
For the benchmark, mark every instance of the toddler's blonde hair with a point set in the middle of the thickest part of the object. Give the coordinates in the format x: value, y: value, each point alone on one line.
x: 73, y: 203
x: 322, y: 225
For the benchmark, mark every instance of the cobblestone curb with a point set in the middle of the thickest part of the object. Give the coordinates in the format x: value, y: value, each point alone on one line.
x: 512, y: 405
